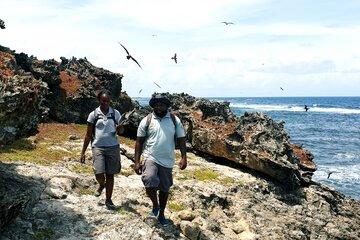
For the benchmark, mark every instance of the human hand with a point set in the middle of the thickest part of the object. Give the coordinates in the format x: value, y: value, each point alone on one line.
x: 119, y: 129
x: 183, y: 163
x: 137, y: 168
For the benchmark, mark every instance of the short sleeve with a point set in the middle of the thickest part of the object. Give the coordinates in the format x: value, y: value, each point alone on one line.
x: 180, y: 132
x: 117, y: 116
x: 141, y: 131
x: 91, y: 117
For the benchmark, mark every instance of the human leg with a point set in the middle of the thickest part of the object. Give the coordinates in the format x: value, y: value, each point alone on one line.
x: 151, y: 182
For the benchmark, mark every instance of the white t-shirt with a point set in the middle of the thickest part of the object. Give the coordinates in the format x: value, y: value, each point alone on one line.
x: 105, y: 131
x: 159, y: 145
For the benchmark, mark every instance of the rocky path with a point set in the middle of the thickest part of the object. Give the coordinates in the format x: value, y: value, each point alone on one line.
x: 208, y: 201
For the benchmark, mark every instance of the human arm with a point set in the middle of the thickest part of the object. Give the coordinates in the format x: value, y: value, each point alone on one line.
x: 87, y: 140
x: 138, y: 151
x: 182, y: 145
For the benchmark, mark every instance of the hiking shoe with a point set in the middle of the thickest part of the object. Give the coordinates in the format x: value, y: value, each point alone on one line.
x: 99, y: 191
x: 154, y: 213
x: 110, y: 205
x: 163, y: 221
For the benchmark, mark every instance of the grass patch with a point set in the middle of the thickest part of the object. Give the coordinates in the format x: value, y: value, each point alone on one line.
x: 127, y: 172
x: 204, y: 174
x: 176, y: 207
x: 122, y: 211
x: 83, y: 168
x: 127, y: 141
x: 84, y: 190
x: 44, y: 234
x: 50, y: 135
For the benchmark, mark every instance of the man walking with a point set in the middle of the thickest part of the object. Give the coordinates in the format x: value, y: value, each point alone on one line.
x: 156, y: 136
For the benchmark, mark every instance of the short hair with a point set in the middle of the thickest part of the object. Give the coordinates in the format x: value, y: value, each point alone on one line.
x: 102, y: 92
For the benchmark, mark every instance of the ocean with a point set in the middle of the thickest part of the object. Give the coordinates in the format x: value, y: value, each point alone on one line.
x: 330, y: 129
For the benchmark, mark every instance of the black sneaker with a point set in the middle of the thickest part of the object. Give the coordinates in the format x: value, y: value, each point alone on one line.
x: 99, y: 191
x: 163, y: 221
x: 110, y: 205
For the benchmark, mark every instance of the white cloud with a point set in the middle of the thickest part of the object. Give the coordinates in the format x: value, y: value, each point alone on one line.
x: 250, y: 57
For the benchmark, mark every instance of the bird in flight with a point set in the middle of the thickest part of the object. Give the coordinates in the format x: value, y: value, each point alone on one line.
x: 227, y: 23
x: 329, y: 173
x: 281, y: 89
x: 175, y: 58
x: 129, y: 56
x: 140, y: 91
x: 2, y: 24
x: 157, y: 84
x: 154, y: 35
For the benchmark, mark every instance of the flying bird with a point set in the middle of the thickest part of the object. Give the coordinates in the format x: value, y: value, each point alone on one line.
x: 129, y: 56
x: 329, y: 173
x: 2, y: 24
x: 140, y: 91
x: 227, y: 23
x: 154, y: 35
x: 281, y: 88
x: 157, y: 84
x: 175, y: 58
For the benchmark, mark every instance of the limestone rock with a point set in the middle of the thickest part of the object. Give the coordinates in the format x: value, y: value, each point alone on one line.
x: 186, y: 215
x: 190, y: 230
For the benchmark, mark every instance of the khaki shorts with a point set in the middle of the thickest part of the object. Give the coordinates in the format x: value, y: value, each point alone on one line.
x: 156, y: 176
x: 106, y: 160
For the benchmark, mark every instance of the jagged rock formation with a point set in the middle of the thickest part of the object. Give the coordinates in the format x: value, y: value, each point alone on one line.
x: 253, y: 140
x: 33, y: 90
x: 73, y: 85
x: 21, y: 100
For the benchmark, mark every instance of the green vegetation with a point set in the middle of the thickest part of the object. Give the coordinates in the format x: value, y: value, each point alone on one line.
x: 205, y: 174
x: 127, y: 141
x: 85, y: 191
x: 44, y: 148
x: 83, y: 168
x: 122, y: 211
x: 175, y: 207
x: 44, y: 234
x: 127, y: 172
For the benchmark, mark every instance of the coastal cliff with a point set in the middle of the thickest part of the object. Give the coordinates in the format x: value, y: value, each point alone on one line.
x: 245, y: 179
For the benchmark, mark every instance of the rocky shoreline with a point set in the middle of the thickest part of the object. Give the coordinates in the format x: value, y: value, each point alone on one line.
x: 208, y: 201
x: 268, y: 192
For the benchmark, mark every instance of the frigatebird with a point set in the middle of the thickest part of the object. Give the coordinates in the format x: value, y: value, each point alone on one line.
x: 227, y: 23
x: 129, y: 56
x: 157, y: 84
x: 174, y: 58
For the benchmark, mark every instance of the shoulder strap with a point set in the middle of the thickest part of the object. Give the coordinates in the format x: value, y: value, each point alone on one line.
x: 173, y: 118
x: 96, y: 114
x: 113, y: 115
x: 148, y: 121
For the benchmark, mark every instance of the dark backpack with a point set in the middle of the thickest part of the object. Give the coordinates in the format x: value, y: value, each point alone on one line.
x: 172, y: 116
x: 97, y: 117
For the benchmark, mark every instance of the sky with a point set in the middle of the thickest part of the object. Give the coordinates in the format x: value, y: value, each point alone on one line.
x: 308, y: 48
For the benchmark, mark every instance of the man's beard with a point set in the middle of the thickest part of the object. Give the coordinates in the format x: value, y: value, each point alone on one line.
x: 160, y: 113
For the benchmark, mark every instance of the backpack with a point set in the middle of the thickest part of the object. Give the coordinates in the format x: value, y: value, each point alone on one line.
x: 172, y: 116
x: 97, y: 117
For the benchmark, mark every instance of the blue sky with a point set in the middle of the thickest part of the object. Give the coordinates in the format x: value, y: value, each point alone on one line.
x: 309, y: 48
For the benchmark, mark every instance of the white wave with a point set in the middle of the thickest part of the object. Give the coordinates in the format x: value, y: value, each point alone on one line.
x: 347, y: 155
x: 293, y: 108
